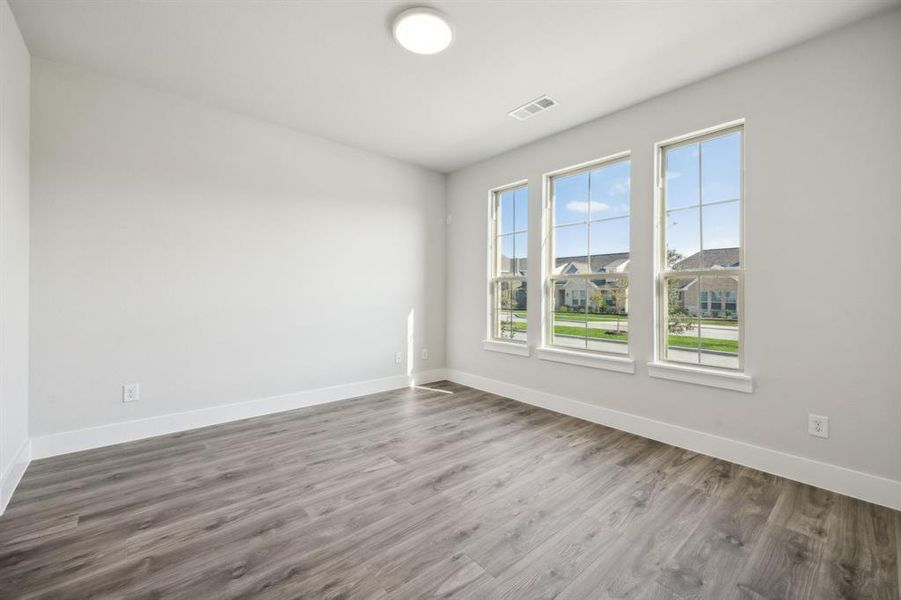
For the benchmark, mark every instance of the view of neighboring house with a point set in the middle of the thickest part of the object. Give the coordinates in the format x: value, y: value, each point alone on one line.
x: 514, y: 297
x: 601, y: 294
x: 714, y: 297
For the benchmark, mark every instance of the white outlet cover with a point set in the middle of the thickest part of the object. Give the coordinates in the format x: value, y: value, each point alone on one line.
x: 398, y: 357
x: 425, y: 354
x: 818, y: 425
x: 131, y: 392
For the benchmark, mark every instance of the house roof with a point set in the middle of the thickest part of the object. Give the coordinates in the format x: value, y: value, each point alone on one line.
x: 600, y: 263
x: 618, y: 261
x: 713, y: 258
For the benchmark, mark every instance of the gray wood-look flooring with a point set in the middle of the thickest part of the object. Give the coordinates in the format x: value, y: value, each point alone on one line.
x: 421, y: 493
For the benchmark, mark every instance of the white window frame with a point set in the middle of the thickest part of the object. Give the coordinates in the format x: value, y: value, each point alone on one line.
x: 622, y: 363
x: 723, y: 377
x: 516, y: 347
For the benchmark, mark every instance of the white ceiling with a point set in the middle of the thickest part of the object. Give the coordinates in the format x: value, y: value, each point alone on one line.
x: 332, y: 68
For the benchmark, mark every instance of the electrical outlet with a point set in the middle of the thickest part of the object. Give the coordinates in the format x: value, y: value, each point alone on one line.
x: 818, y: 425
x: 131, y: 392
x: 425, y: 354
x: 398, y: 358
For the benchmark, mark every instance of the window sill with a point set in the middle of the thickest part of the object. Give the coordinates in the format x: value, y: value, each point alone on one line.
x: 506, y: 347
x: 738, y: 382
x: 588, y: 359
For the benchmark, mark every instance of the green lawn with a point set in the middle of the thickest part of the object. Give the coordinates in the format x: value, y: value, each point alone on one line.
x: 582, y: 317
x: 720, y: 322
x: 690, y: 341
x: 577, y: 317
x: 681, y: 341
x: 604, y: 334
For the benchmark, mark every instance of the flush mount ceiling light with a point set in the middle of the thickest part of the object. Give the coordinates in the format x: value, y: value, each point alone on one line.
x: 422, y: 30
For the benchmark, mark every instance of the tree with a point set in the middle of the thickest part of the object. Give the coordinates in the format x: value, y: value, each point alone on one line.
x: 506, y: 306
x: 520, y: 296
x: 598, y: 299
x: 618, y: 292
x: 678, y: 317
x: 672, y: 257
x: 506, y: 296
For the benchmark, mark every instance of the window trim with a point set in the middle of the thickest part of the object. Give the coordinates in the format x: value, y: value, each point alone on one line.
x: 660, y: 366
x: 727, y: 379
x: 621, y: 363
x: 516, y: 347
x: 546, y: 351
x: 511, y: 347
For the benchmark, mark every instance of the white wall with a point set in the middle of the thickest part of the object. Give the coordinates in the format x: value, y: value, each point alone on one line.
x: 14, y: 121
x: 214, y: 258
x: 823, y: 191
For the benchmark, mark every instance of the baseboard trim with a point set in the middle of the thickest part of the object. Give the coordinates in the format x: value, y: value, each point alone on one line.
x: 65, y: 442
x: 13, y: 475
x: 864, y: 486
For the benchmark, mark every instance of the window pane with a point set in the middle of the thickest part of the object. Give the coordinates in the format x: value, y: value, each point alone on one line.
x: 702, y: 321
x: 571, y: 199
x: 505, y: 212
x: 571, y: 247
x: 521, y: 250
x: 510, y: 311
x: 506, y: 244
x: 502, y: 313
x: 569, y: 303
x: 731, y: 307
x: 521, y: 209
x: 683, y: 239
x: 608, y: 315
x: 610, y: 191
x: 609, y: 245
x: 682, y: 306
x: 719, y: 326
x: 721, y: 226
x: 508, y: 318
x: 721, y: 168
x: 682, y: 176
x: 519, y: 309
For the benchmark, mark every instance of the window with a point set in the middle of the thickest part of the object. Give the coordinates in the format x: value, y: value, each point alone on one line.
x: 588, y: 268
x: 509, y: 264
x: 700, y: 257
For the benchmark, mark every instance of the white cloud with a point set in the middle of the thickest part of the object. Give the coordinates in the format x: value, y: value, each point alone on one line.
x: 673, y: 174
x: 581, y: 206
x: 620, y: 186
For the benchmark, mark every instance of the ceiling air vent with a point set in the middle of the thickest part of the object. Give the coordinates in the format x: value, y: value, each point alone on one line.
x: 532, y: 108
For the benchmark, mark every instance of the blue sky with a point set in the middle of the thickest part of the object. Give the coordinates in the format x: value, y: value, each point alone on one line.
x: 702, y: 179
x: 698, y: 175
x: 514, y: 210
x: 590, y: 195
x: 514, y: 222
x: 595, y: 202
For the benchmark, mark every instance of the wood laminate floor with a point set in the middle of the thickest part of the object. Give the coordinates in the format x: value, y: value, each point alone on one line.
x: 421, y: 493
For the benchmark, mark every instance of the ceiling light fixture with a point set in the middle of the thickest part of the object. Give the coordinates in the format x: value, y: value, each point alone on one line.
x: 422, y: 30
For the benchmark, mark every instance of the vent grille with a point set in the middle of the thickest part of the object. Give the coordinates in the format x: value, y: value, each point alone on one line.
x: 530, y: 109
